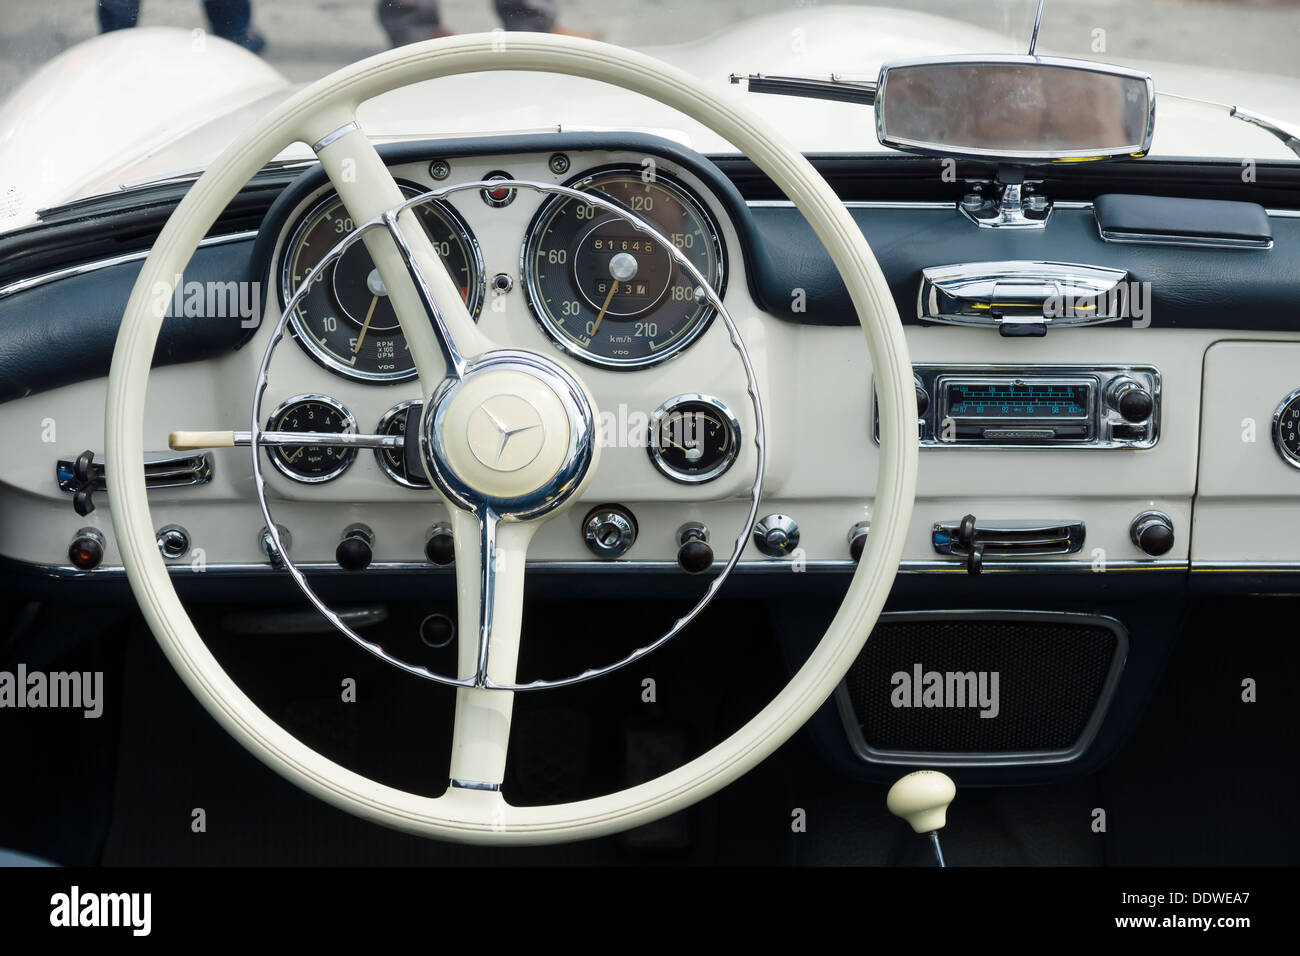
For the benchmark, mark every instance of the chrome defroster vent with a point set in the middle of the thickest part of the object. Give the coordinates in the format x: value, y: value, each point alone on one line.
x: 161, y: 470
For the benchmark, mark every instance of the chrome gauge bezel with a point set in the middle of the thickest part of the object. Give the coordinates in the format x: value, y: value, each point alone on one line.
x: 1283, y: 452
x: 533, y: 296
x: 727, y: 416
x: 344, y: 463
x: 321, y: 356
x: 399, y: 409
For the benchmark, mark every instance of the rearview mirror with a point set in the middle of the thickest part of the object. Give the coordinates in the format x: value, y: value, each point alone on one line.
x: 1015, y: 108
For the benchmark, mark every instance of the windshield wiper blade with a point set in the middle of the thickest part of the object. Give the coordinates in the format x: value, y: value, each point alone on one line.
x: 837, y: 86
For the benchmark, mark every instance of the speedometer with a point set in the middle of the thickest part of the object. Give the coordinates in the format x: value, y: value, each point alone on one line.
x: 610, y: 294
x: 345, y: 321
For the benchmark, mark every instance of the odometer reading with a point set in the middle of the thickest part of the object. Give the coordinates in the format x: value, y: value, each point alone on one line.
x: 345, y: 320
x: 610, y: 294
x: 311, y: 462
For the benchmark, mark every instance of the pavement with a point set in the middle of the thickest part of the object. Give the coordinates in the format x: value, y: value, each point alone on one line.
x: 309, y: 38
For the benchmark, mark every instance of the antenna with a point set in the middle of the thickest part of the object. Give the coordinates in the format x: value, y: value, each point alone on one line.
x: 1038, y: 18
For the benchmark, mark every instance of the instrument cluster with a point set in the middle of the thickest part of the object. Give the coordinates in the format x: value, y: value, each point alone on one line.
x: 603, y: 291
x: 599, y: 289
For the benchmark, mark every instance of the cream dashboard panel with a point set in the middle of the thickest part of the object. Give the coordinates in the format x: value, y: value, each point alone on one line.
x: 817, y: 393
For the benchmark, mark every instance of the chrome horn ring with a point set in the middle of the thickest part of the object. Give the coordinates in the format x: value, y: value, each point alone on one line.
x: 532, y: 503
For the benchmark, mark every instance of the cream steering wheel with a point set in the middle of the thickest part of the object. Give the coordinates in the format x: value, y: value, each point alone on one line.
x: 495, y: 510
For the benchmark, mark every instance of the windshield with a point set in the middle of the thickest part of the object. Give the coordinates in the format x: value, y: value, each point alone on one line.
x: 139, y: 89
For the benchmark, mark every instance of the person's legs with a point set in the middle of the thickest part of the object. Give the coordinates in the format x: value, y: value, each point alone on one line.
x: 118, y: 14
x: 233, y: 20
x: 409, y: 21
x: 535, y: 15
x: 230, y: 19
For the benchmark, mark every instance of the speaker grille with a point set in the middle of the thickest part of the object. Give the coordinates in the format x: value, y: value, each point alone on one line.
x: 1052, y: 673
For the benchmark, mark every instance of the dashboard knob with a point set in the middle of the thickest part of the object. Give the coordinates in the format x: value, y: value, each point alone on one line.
x: 609, y: 531
x: 1153, y: 532
x: 694, y: 554
x: 440, y: 546
x: 87, y: 549
x: 922, y: 401
x: 357, y: 548
x: 776, y: 535
x: 858, y: 539
x: 1133, y: 402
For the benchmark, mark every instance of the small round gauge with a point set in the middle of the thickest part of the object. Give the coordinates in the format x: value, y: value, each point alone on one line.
x: 694, y: 438
x: 311, y: 463
x: 393, y: 460
x: 1286, y: 429
x: 345, y: 321
x: 610, y: 294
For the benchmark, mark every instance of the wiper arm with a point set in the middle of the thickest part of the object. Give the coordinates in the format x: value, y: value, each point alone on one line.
x: 839, y: 87
x: 1288, y: 133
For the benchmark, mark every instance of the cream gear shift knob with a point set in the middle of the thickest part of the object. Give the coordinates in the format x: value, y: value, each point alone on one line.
x: 921, y: 798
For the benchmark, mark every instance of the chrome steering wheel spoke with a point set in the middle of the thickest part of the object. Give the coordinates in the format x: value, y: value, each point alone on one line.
x: 438, y: 328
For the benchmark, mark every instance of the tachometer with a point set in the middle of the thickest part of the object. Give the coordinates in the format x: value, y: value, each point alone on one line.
x: 346, y: 321
x: 610, y: 294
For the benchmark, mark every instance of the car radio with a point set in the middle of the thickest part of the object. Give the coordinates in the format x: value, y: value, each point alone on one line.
x: 1107, y: 406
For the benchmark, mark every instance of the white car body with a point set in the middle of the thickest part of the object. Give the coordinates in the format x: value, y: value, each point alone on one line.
x: 142, y: 104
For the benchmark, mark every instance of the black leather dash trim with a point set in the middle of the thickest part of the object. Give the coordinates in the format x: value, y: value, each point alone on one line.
x: 1190, y: 287
x: 64, y: 331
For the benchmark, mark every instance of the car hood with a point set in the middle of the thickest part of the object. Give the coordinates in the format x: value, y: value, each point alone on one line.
x: 142, y: 104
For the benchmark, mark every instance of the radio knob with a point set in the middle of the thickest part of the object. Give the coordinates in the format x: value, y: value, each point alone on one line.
x: 1153, y: 532
x: 1133, y: 402
x: 922, y: 400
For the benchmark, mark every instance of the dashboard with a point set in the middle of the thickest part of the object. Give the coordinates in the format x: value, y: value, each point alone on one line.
x: 1116, y: 446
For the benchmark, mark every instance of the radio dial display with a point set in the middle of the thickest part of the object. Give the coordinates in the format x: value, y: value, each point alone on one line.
x: 1018, y: 400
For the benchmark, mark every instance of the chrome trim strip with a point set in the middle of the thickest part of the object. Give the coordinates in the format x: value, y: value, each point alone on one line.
x: 858, y: 204
x: 863, y: 750
x: 1195, y: 242
x: 619, y: 567
x: 474, y: 785
x: 22, y: 285
x: 335, y: 136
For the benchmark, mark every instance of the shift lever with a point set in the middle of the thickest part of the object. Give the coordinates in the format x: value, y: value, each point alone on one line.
x: 921, y: 798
